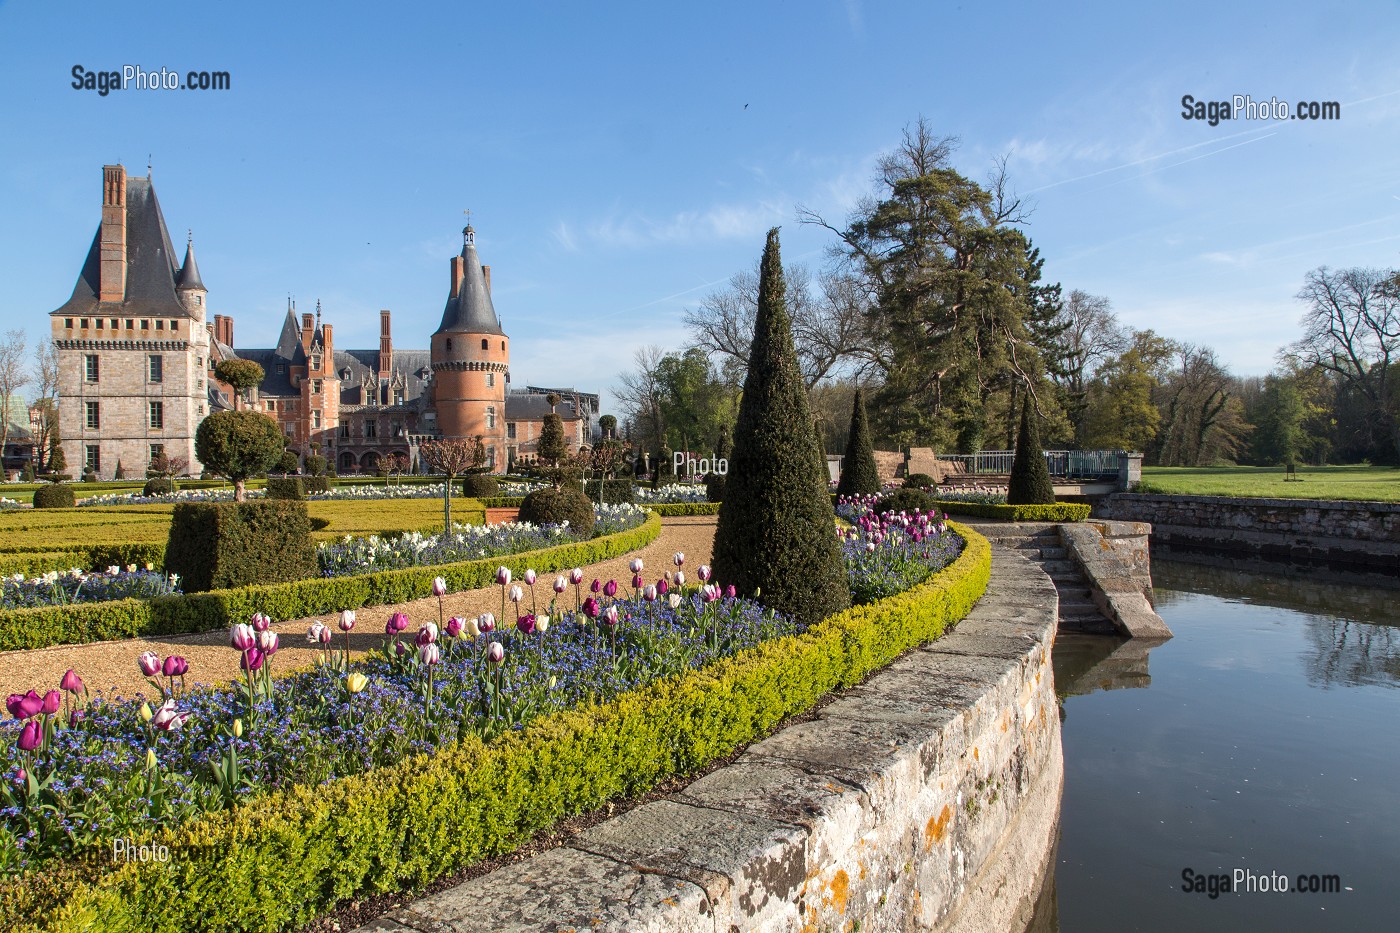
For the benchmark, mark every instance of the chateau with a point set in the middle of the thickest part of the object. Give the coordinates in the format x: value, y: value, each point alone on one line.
x: 137, y: 351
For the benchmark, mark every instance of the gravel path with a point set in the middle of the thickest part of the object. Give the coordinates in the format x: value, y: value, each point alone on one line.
x: 111, y: 665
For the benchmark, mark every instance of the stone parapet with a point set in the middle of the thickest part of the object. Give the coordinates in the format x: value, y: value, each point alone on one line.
x: 925, y: 799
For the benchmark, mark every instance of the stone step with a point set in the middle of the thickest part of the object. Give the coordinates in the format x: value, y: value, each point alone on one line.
x: 1059, y: 567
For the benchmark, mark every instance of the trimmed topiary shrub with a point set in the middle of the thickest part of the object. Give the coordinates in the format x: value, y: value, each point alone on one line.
x: 89, y: 476
x: 158, y: 486
x: 313, y: 484
x: 54, y: 496
x: 859, y: 476
x: 907, y: 500
x: 1030, y: 477
x: 919, y: 481
x: 285, y: 487
x: 476, y: 485
x: 220, y: 545
x: 316, y: 465
x: 714, y: 487
x: 777, y: 529
x: 613, y: 491
x: 288, y: 462
x: 554, y: 506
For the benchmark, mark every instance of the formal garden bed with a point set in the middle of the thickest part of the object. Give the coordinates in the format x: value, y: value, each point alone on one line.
x: 449, y: 750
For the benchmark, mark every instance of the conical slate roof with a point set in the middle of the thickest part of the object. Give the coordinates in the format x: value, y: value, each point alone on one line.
x: 189, y: 272
x: 470, y: 311
x: 289, y: 342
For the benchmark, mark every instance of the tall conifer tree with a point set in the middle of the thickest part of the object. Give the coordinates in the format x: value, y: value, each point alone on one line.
x: 859, y: 475
x: 777, y: 529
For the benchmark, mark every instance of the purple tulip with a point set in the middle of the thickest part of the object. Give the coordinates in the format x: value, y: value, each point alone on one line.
x: 268, y: 643
x: 52, y: 701
x: 439, y: 587
x: 730, y: 592
x: 610, y: 589
x: 71, y: 682
x: 401, y: 649
x: 27, y: 706
x: 495, y: 652
x: 325, y: 635
x: 75, y: 717
x: 429, y: 654
x: 242, y: 637
x: 709, y: 592
x: 12, y: 703
x: 595, y: 586
x: 30, y: 736
x: 174, y: 666
x: 400, y: 621
x: 252, y: 660
x: 576, y: 576
x: 590, y: 607
x: 636, y: 581
x: 526, y: 624
x: 149, y: 663
x: 261, y: 622
x: 454, y: 627
x: 662, y: 586
x: 610, y: 616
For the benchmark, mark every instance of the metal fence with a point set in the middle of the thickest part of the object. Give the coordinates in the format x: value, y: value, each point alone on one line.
x: 1066, y: 463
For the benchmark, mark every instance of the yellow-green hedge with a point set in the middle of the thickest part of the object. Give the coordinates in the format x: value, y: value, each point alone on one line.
x: 277, y: 862
x: 1059, y: 512
x: 669, y: 509
x: 74, y: 624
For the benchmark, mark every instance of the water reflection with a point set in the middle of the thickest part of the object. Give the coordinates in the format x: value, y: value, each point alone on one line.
x: 1265, y: 740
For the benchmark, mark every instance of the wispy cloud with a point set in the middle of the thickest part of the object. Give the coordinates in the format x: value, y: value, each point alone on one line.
x: 564, y: 237
x: 637, y: 231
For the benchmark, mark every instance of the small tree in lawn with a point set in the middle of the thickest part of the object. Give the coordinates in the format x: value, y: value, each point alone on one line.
x: 242, y: 375
x: 1030, y: 477
x: 238, y: 444
x: 120, y: 471
x: 553, y: 450
x: 859, y: 476
x: 608, y: 425
x: 777, y: 530
x: 453, y: 456
x: 57, y: 462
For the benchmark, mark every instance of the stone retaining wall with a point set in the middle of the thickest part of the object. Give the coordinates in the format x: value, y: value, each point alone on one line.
x: 1355, y: 534
x: 925, y: 799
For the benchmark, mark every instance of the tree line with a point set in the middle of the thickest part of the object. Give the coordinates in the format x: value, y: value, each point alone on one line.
x: 934, y: 305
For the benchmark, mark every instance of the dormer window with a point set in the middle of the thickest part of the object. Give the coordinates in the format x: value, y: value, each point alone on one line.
x: 316, y: 362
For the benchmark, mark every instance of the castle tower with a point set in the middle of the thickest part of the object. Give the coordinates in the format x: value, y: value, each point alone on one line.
x: 470, y: 358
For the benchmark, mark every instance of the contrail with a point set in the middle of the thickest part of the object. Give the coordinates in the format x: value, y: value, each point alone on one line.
x: 1152, y: 158
x: 1162, y: 168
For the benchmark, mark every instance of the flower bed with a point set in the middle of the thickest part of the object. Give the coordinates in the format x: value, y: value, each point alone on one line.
x: 201, y: 612
x: 57, y: 588
x: 277, y: 862
x: 886, y: 554
x: 674, y: 493
x: 10, y: 504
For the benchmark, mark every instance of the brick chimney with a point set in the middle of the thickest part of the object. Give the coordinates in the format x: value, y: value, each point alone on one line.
x: 459, y: 272
x: 386, y: 346
x: 486, y: 271
x: 308, y: 328
x: 112, y: 285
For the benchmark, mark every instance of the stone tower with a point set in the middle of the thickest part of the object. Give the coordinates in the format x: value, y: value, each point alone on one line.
x: 132, y: 343
x: 470, y: 358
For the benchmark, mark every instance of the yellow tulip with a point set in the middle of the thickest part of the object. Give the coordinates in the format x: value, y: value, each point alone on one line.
x: 146, y: 712
x: 355, y: 682
x: 238, y: 728
x: 150, y: 759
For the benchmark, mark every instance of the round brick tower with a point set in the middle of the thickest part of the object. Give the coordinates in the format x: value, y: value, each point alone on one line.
x: 471, y: 358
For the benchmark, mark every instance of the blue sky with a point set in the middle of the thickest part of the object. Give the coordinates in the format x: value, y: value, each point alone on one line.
x: 621, y: 160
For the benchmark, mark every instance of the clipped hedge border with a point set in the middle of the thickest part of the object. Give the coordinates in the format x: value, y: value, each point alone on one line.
x: 672, y: 509
x: 1059, y: 512
x: 282, y: 860
x: 78, y: 623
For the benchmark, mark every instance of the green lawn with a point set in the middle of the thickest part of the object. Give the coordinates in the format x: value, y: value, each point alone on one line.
x: 1380, y: 484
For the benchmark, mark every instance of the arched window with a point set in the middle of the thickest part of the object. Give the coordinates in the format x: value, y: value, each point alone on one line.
x: 483, y: 343
x: 449, y: 344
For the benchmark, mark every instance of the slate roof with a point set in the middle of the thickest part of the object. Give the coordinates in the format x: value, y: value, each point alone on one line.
x: 151, y: 271
x: 470, y: 311
x: 413, y: 367
x: 529, y: 406
x: 189, y: 270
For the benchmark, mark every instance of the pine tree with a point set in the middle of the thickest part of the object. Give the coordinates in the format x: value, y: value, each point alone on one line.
x: 1030, y: 478
x: 859, y: 476
x: 776, y: 529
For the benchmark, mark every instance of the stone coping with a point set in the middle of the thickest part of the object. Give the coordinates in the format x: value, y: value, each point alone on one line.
x: 927, y: 797
x: 1355, y: 505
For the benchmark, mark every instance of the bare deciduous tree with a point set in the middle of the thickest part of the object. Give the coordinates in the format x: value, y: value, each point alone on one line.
x: 450, y: 456
x: 642, y: 395
x: 1352, y: 329
x: 14, y: 376
x: 45, y: 401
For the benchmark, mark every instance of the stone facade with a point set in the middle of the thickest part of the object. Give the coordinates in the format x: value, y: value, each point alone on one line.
x: 137, y: 359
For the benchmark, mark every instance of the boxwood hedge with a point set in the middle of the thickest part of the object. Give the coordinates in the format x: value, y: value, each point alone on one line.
x: 287, y: 857
x: 1058, y: 512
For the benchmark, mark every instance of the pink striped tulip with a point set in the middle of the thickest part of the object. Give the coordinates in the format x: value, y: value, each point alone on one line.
x: 576, y: 576
x: 495, y: 652
x: 150, y: 662
x: 503, y: 576
x: 636, y: 565
x: 242, y: 637
x: 429, y: 654
x: 439, y: 587
x: 261, y: 622
x: 560, y: 584
x: 347, y: 620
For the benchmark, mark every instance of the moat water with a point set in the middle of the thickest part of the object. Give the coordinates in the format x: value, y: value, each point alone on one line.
x: 1264, y: 737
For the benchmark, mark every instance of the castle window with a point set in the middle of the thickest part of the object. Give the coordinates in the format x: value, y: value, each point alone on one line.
x: 315, y: 419
x: 199, y: 299
x: 94, y: 458
x: 99, y: 323
x: 90, y: 362
x: 145, y: 325
x: 160, y: 325
x: 174, y: 325
x: 398, y: 429
x: 503, y: 344
x: 68, y: 323
x: 483, y: 343
x: 398, y: 396
x: 491, y: 457
x: 315, y: 387
x: 271, y: 405
x: 92, y: 415
x: 201, y: 409
x: 130, y: 323
x: 157, y: 369
x: 345, y: 430
x: 157, y: 415
x: 281, y: 368
x: 115, y: 322
x: 510, y: 430
x: 157, y: 451
x: 83, y: 322
x: 449, y: 342
x: 490, y: 417
x: 371, y: 428
x: 490, y: 380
